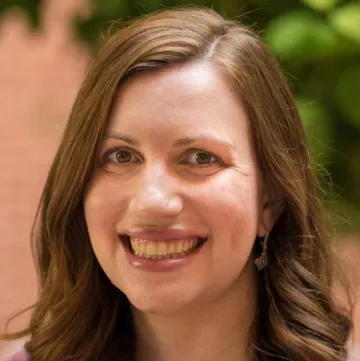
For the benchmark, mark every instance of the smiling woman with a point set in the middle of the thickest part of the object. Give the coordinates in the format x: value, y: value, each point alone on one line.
x: 181, y: 203
x: 188, y: 139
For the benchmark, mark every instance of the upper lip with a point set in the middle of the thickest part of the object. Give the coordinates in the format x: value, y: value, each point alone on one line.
x: 158, y: 234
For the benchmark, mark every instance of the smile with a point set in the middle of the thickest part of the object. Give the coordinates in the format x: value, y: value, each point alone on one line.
x: 159, y: 249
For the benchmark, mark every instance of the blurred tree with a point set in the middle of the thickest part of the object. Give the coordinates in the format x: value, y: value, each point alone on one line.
x: 318, y: 45
x: 32, y: 9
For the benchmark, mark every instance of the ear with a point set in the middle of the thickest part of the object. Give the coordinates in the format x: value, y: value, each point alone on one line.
x: 270, y: 211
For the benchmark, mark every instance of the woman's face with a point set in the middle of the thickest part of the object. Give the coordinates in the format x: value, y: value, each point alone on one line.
x: 175, y: 205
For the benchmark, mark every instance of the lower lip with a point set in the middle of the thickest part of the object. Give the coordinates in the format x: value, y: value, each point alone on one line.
x: 160, y: 265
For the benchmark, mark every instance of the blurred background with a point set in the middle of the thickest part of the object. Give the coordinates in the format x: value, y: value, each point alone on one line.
x: 45, y: 47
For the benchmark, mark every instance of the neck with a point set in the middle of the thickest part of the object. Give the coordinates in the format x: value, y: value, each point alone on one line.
x: 219, y: 329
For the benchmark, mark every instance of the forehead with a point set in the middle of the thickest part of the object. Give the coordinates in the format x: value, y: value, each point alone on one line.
x: 188, y: 96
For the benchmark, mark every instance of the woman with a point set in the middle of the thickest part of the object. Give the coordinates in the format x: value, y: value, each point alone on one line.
x: 181, y: 217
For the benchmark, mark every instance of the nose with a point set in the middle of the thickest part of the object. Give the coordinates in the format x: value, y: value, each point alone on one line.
x: 156, y: 195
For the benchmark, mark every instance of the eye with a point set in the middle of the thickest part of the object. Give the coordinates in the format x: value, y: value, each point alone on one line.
x: 121, y: 156
x: 199, y: 157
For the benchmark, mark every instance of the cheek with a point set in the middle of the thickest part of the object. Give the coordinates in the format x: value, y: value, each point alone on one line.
x: 231, y: 213
x: 102, y: 211
x: 231, y: 198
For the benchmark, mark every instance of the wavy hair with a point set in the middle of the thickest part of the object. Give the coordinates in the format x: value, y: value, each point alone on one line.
x: 80, y: 315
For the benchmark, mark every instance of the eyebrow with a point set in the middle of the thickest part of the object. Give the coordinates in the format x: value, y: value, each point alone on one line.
x: 189, y: 140
x: 123, y: 138
x: 177, y: 143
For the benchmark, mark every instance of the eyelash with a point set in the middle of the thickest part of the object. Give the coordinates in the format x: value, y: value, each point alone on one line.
x: 195, y: 151
x: 106, y: 157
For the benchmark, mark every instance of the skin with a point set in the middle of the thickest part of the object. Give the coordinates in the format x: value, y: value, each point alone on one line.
x: 211, y: 185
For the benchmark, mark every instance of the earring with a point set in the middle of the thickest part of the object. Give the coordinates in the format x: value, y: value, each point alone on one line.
x: 261, y: 261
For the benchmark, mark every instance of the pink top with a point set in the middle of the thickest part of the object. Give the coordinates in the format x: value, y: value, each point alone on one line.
x: 20, y: 356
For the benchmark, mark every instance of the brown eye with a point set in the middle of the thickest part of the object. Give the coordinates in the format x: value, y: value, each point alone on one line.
x: 123, y: 156
x: 204, y: 158
x: 199, y: 157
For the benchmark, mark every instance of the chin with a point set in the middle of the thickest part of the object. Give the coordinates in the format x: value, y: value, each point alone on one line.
x: 161, y: 303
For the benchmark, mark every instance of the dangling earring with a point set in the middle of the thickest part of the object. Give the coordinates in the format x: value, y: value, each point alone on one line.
x: 261, y: 261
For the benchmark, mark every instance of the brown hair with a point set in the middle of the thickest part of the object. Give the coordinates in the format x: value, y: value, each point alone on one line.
x: 80, y: 314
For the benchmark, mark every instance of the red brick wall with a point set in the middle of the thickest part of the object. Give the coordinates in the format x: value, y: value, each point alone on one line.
x: 40, y: 73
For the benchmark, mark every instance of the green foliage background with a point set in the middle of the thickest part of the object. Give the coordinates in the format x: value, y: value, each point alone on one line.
x: 318, y: 45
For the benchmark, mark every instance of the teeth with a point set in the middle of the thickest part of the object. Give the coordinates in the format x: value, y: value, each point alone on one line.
x: 172, y: 248
x: 161, y: 249
x: 179, y: 247
x: 136, y: 248
x: 150, y: 248
x: 142, y: 248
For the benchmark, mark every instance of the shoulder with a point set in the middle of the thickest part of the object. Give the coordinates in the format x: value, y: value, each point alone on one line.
x: 20, y: 356
x: 354, y: 353
x: 15, y: 350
